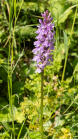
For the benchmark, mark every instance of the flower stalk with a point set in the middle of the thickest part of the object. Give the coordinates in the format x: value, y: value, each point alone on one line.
x: 42, y: 78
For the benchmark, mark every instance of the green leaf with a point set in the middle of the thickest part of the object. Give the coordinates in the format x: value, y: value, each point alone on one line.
x: 7, y: 126
x: 72, y: 1
x: 74, y: 54
x: 18, y: 88
x: 5, y: 115
x: 56, y: 12
x: 33, y: 6
x: 25, y: 31
x: 3, y: 74
x: 35, y: 135
x: 65, y: 42
x: 28, y: 5
x: 1, y: 33
x: 15, y: 8
x: 4, y: 135
x: 64, y: 16
x: 1, y: 81
x: 19, y: 116
x: 76, y: 66
x: 75, y: 72
x: 47, y: 125
x: 58, y: 121
x: 17, y: 129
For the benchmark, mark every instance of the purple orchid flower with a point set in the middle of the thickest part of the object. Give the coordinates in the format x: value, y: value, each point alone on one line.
x: 44, y: 44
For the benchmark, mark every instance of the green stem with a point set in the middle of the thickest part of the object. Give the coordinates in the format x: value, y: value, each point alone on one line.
x: 69, y: 45
x: 42, y: 76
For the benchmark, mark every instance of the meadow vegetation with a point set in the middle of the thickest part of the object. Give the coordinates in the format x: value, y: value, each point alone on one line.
x: 20, y: 86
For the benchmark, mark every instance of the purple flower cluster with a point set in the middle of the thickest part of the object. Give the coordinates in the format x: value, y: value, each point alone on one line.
x: 44, y: 44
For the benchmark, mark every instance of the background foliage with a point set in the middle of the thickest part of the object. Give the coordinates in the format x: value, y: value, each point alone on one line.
x: 20, y: 86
